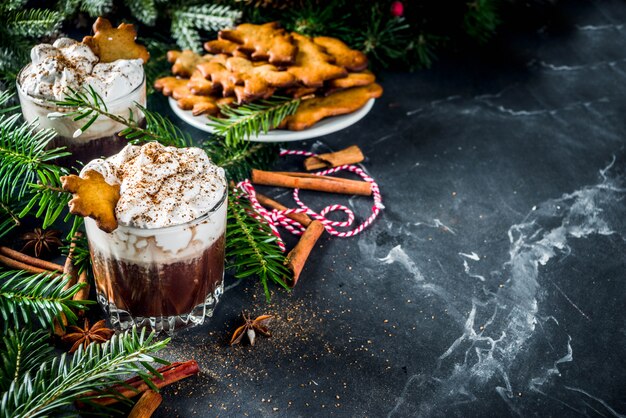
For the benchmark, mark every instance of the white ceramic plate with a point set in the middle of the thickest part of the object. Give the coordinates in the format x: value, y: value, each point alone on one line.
x: 324, y: 127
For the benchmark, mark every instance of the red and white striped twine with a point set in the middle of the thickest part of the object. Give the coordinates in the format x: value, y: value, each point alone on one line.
x: 277, y: 218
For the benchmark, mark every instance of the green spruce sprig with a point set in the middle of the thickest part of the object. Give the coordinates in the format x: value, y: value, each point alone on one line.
x: 21, y: 26
x: 383, y: 39
x: 481, y: 20
x: 25, y: 297
x: 54, y: 386
x: 249, y: 120
x: 189, y: 20
x: 24, y: 156
x: 238, y: 160
x: 22, y: 350
x: 88, y: 104
x: 251, y: 247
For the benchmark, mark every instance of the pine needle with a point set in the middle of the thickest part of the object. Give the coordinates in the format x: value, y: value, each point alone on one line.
x: 251, y: 247
x: 239, y: 159
x: 25, y: 296
x: 90, y: 105
x: 24, y: 157
x: 54, y: 386
x: 20, y: 352
x: 249, y: 120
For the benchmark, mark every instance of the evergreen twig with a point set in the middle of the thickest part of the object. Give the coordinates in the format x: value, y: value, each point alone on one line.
x: 24, y: 296
x: 239, y: 159
x: 54, y: 386
x: 249, y: 120
x: 24, y: 157
x: 21, y: 350
x: 251, y: 247
x: 187, y: 21
x: 32, y: 22
x: 88, y: 104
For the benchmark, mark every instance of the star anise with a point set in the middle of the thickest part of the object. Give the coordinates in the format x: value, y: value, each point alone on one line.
x: 86, y: 335
x: 251, y: 327
x: 40, y: 240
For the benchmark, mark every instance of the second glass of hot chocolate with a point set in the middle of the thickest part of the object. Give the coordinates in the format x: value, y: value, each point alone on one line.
x: 163, y: 266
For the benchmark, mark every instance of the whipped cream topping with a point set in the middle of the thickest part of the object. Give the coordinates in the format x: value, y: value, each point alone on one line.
x: 71, y: 64
x: 161, y: 186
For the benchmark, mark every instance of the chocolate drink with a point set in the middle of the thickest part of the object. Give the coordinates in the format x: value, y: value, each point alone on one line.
x: 163, y: 266
x: 160, y: 289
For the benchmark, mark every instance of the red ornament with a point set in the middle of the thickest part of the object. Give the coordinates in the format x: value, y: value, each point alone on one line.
x: 397, y: 9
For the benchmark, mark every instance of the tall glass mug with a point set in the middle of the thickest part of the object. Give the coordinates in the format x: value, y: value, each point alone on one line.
x: 164, y: 278
x: 100, y: 139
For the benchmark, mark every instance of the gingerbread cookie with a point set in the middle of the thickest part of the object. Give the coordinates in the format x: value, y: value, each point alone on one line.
x: 200, y: 105
x: 346, y: 101
x: 263, y: 42
x: 172, y: 86
x: 343, y: 55
x: 179, y: 89
x: 300, y: 91
x: 259, y: 81
x: 215, y: 71
x: 111, y: 44
x: 313, y: 65
x: 222, y: 46
x: 185, y: 62
x: 200, y: 85
x: 93, y: 197
x: 352, y: 80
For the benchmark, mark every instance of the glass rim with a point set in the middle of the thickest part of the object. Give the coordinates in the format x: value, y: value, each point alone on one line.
x: 48, y: 103
x: 199, y: 219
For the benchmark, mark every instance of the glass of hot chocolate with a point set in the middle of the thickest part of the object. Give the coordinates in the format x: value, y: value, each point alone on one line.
x: 69, y: 64
x: 163, y: 266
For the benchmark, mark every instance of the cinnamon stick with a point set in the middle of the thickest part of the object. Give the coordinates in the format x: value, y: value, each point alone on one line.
x: 32, y: 261
x: 134, y: 386
x: 298, y: 255
x: 69, y: 269
x: 146, y: 405
x: 59, y: 326
x: 302, y: 218
x: 10, y: 262
x: 83, y: 293
x: 311, y: 182
x: 350, y: 155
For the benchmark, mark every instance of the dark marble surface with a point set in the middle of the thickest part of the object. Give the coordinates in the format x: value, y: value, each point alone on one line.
x: 493, y: 284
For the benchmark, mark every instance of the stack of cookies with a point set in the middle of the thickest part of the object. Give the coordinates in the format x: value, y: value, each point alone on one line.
x: 253, y: 62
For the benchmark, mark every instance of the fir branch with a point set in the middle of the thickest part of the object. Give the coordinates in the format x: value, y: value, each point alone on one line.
x: 9, y: 215
x: 251, y: 247
x: 144, y: 11
x: 383, y: 39
x: 239, y: 159
x: 49, y: 199
x: 249, y: 120
x: 24, y: 157
x: 481, y: 20
x: 314, y: 19
x: 424, y: 49
x: 209, y: 17
x: 25, y: 297
x: 95, y: 8
x: 5, y: 98
x: 11, y: 5
x: 32, y: 23
x: 22, y: 350
x: 186, y: 37
x: 60, y: 381
x: 89, y: 104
